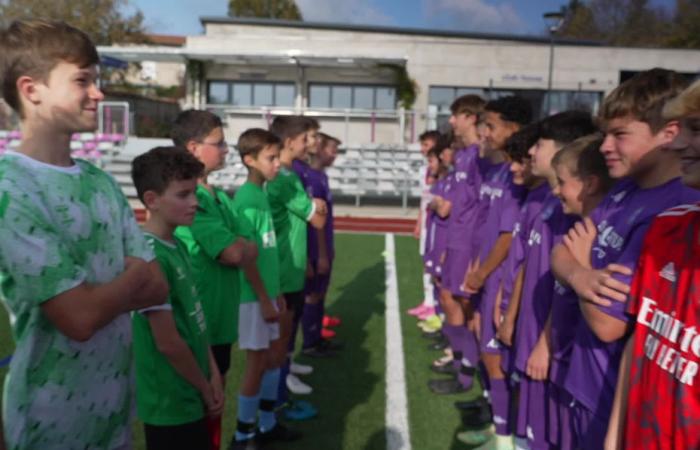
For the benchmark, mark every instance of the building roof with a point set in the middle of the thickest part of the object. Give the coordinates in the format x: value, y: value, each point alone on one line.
x: 389, y: 30
x: 167, y: 40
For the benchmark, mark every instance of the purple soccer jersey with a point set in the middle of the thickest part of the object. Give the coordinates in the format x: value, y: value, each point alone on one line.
x: 436, y: 238
x: 622, y: 220
x: 565, y: 318
x: 535, y: 302
x: 316, y: 185
x: 464, y: 197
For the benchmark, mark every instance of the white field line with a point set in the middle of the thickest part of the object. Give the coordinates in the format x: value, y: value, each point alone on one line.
x: 398, y: 436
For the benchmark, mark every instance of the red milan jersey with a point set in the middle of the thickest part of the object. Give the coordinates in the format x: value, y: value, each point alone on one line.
x: 663, y: 409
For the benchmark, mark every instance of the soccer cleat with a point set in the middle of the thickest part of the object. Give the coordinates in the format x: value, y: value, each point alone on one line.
x: 447, y: 369
x: 418, y: 309
x: 446, y: 386
x: 430, y: 325
x: 296, y: 386
x: 300, y: 369
x: 504, y: 443
x: 299, y: 410
x: 428, y: 312
x: 433, y: 335
x: 327, y: 333
x: 439, y: 345
x: 477, y: 437
x: 279, y: 433
x: 475, y: 413
x: 318, y: 351
x: 330, y: 345
x: 248, y: 444
x: 331, y: 321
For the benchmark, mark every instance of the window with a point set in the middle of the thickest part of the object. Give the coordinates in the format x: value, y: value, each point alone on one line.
x: 247, y: 93
x: 441, y: 97
x: 345, y: 96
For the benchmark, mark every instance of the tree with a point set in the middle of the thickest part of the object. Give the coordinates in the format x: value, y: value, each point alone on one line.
x: 685, y: 30
x: 617, y: 22
x: 105, y: 21
x: 274, y: 9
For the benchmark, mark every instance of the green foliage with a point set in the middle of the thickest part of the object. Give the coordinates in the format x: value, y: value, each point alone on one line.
x: 105, y: 21
x: 273, y: 9
x: 633, y: 23
x: 406, y: 87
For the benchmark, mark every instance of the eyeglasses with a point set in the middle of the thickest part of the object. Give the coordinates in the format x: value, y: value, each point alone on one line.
x: 222, y: 145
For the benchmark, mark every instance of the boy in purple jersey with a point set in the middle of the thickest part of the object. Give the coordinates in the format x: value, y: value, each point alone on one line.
x: 635, y: 146
x: 531, y: 346
x: 321, y: 250
x: 498, y: 208
x: 438, y: 214
x: 582, y: 183
x: 464, y: 196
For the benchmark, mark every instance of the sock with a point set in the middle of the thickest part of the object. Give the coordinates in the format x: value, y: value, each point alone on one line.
x: 310, y: 324
x: 500, y: 405
x: 319, y: 318
x: 282, y: 391
x: 268, y: 397
x: 214, y: 429
x: 428, y: 297
x: 466, y: 353
x: 247, y: 414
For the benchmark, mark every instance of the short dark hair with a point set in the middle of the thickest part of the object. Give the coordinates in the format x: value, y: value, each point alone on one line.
x: 519, y: 143
x: 312, y: 123
x: 429, y: 135
x: 252, y: 141
x: 567, y: 126
x: 512, y: 108
x: 444, y: 141
x: 469, y: 104
x: 34, y: 47
x: 158, y: 167
x: 326, y: 138
x: 289, y: 127
x: 193, y: 125
x: 643, y: 97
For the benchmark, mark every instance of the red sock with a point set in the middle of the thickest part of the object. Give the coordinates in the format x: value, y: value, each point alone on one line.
x: 214, y: 426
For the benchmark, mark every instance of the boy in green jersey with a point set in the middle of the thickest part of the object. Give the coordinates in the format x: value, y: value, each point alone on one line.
x: 177, y: 380
x: 73, y: 261
x: 291, y: 209
x: 261, y: 301
x: 213, y: 240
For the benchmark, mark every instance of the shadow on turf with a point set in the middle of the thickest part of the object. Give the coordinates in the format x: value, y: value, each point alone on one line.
x: 343, y: 383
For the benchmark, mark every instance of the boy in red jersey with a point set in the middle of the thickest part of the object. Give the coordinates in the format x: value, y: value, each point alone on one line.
x: 657, y: 403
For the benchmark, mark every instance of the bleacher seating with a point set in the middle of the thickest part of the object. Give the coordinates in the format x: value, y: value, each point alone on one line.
x: 93, y: 147
x: 376, y: 170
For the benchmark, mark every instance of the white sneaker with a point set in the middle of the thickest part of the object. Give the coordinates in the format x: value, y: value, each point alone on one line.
x: 296, y: 386
x: 300, y: 369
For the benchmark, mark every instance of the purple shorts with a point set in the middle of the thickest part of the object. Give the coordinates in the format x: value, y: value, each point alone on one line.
x: 454, y: 270
x: 488, y: 342
x: 588, y: 430
x: 560, y: 432
x: 318, y: 284
x: 532, y: 413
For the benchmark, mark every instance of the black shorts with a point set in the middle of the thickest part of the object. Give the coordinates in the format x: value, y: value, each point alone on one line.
x: 222, y: 356
x: 188, y: 436
x: 295, y: 302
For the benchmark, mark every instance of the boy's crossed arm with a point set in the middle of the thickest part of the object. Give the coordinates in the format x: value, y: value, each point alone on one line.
x: 83, y: 310
x: 571, y: 265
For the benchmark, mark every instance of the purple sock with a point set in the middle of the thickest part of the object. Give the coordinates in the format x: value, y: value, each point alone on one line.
x: 465, y: 351
x: 500, y: 405
x: 310, y: 324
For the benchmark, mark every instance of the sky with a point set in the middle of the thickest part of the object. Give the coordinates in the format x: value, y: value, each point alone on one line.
x: 518, y: 17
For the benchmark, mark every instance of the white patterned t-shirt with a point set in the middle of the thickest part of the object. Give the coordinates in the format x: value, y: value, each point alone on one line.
x: 61, y: 227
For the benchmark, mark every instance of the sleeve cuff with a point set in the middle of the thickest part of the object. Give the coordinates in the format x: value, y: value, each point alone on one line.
x: 164, y: 307
x: 313, y: 210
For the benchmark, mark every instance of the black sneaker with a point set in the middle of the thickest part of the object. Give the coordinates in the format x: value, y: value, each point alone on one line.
x: 446, y: 386
x: 318, y: 352
x: 475, y: 413
x: 327, y: 344
x: 248, y: 444
x: 445, y: 369
x: 279, y: 433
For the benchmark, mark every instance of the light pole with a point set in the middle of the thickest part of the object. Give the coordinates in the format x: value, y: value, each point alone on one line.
x: 554, y: 21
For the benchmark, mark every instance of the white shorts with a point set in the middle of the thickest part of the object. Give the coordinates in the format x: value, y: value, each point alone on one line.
x: 253, y: 332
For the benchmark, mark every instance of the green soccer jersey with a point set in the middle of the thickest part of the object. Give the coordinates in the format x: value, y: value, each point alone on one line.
x: 214, y: 229
x: 61, y: 227
x: 253, y: 211
x: 291, y: 208
x: 163, y: 397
